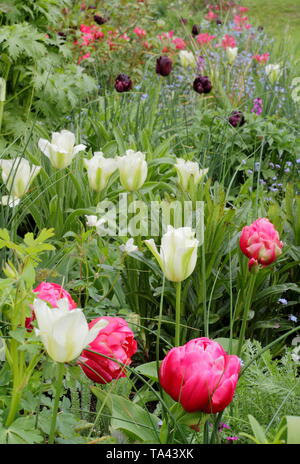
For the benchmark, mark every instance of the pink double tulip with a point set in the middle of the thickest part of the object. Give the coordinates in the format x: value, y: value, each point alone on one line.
x: 115, y: 341
x: 260, y: 242
x: 50, y: 293
x: 200, y: 375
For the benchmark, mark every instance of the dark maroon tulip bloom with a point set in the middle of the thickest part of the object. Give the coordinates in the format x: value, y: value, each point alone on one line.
x: 236, y: 119
x: 163, y: 65
x: 123, y: 83
x: 100, y: 20
x: 202, y: 84
x: 195, y: 29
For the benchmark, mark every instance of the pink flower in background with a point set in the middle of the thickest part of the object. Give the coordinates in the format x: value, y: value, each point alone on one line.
x: 261, y: 58
x: 179, y: 43
x: 241, y: 22
x: 260, y: 242
x: 228, y: 41
x: 211, y: 16
x: 50, y: 293
x: 243, y: 9
x: 124, y: 37
x: 115, y: 341
x: 205, y: 38
x: 200, y: 375
x: 83, y: 57
x: 139, y: 32
x: 166, y: 35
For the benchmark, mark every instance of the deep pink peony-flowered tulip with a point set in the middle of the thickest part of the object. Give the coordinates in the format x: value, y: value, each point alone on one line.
x: 116, y: 341
x: 50, y: 293
x: 260, y: 242
x: 200, y: 375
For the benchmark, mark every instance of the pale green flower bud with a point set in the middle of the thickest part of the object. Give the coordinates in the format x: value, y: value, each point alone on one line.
x: 231, y: 54
x: 17, y: 175
x: 187, y: 58
x: 133, y: 170
x: 178, y: 253
x: 61, y: 149
x: 273, y: 72
x: 99, y: 170
x: 189, y: 173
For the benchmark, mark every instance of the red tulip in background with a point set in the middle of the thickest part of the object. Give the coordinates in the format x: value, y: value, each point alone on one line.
x: 116, y: 341
x: 200, y: 375
x: 50, y: 293
x: 260, y: 242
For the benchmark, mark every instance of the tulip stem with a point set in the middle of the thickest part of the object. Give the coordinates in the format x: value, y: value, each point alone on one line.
x: 178, y: 313
x: 246, y: 312
x: 60, y: 375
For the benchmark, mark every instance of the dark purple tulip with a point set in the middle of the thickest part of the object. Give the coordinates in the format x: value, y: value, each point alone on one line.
x: 236, y: 119
x: 195, y: 29
x: 123, y: 83
x: 202, y: 84
x: 62, y: 35
x: 163, y: 65
x: 183, y: 20
x: 219, y: 22
x: 100, y: 20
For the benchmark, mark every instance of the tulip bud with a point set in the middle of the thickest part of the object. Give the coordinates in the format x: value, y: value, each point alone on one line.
x: 273, y: 72
x: 187, y: 58
x: 17, y: 175
x: 163, y: 65
x: 129, y: 247
x: 178, y: 253
x: 202, y: 84
x: 231, y: 54
x: 200, y: 375
x: 236, y: 119
x: 100, y: 19
x: 64, y: 333
x: 195, y: 30
x: 61, y: 149
x: 123, y: 83
x: 133, y: 170
x: 260, y: 242
x: 188, y: 173
x: 99, y: 170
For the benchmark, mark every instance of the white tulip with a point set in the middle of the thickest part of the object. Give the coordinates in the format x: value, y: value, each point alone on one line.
x: 231, y: 54
x: 61, y: 149
x: 178, y: 253
x: 133, y: 170
x: 188, y: 173
x: 187, y: 58
x: 99, y: 170
x: 273, y: 72
x: 129, y: 247
x: 64, y: 333
x: 17, y: 175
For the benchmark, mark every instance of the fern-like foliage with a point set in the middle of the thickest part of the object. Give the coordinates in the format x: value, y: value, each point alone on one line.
x: 268, y: 390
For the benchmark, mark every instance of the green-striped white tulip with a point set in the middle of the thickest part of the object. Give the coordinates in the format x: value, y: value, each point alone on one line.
x: 273, y: 71
x: 187, y: 58
x: 133, y: 170
x: 231, y: 54
x: 64, y: 333
x: 189, y: 173
x: 61, y: 149
x: 17, y: 175
x: 99, y: 170
x: 178, y: 253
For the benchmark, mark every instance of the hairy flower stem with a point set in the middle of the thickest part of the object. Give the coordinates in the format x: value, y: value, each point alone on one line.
x: 60, y: 375
x: 178, y: 313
